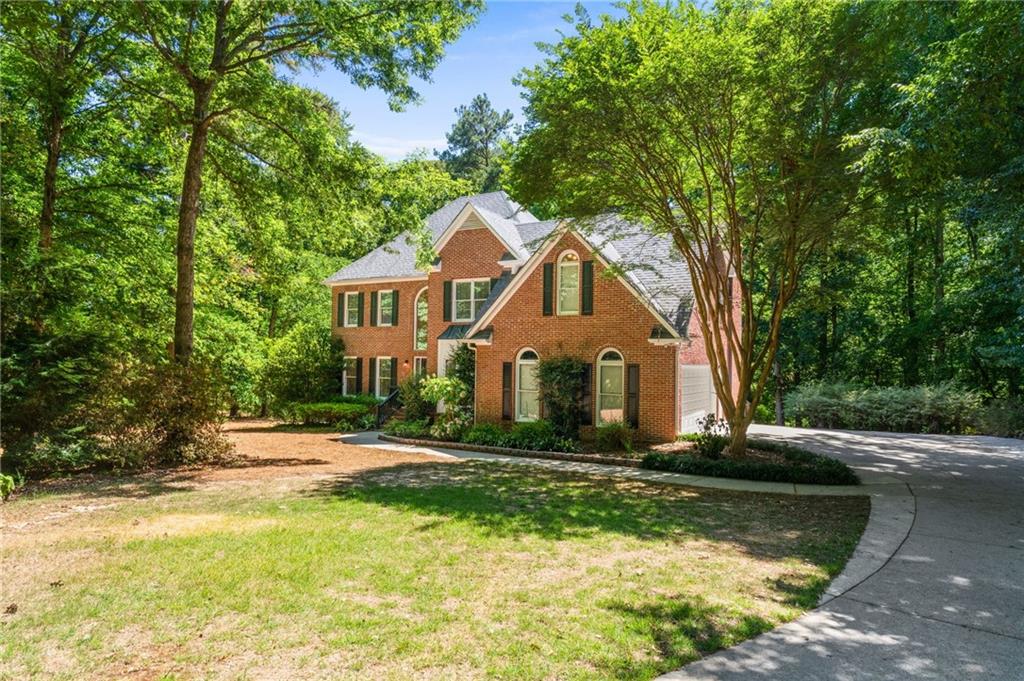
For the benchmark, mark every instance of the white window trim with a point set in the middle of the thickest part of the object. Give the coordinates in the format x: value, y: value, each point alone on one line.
x: 416, y: 319
x: 558, y: 282
x: 394, y: 312
x: 376, y: 378
x: 344, y: 374
x: 473, y: 300
x: 602, y: 362
x: 419, y: 360
x: 519, y: 391
x: 346, y: 322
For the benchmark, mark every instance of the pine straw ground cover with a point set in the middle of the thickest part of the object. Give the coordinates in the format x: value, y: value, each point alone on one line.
x: 363, y: 563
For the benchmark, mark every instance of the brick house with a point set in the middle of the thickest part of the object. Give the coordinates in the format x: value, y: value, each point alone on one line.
x: 516, y: 290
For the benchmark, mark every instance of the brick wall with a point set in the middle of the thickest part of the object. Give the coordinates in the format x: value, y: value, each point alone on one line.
x: 620, y: 321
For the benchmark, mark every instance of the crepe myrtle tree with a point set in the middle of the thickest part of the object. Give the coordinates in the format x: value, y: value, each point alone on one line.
x: 219, y: 60
x: 723, y: 129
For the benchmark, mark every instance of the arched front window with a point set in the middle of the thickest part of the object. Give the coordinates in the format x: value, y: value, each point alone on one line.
x: 568, y: 283
x: 609, y: 387
x: 420, y: 330
x: 527, y: 390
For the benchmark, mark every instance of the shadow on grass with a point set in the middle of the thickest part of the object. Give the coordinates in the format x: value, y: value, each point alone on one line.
x: 510, y: 500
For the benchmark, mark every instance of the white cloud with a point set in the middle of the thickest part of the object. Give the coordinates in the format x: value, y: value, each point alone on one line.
x: 394, y: 148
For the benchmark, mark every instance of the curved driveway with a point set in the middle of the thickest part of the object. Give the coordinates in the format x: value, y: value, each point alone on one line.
x: 948, y: 604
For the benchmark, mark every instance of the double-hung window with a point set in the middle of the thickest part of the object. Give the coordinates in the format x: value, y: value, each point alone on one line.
x: 568, y: 284
x: 419, y: 366
x: 385, y: 376
x: 610, y: 382
x: 420, y: 334
x: 527, y: 389
x: 385, y: 308
x: 351, y: 308
x: 348, y: 375
x: 469, y: 295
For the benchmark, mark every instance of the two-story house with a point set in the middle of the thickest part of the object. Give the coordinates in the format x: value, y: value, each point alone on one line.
x: 517, y: 290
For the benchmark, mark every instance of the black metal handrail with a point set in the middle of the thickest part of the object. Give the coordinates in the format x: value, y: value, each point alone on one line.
x: 388, y: 406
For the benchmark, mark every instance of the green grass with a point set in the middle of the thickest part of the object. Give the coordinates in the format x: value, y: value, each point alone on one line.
x: 437, y: 570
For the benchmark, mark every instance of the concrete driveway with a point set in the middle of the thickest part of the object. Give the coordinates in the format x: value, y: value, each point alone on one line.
x: 948, y: 604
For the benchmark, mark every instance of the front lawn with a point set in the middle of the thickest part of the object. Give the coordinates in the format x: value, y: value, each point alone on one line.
x: 409, y: 569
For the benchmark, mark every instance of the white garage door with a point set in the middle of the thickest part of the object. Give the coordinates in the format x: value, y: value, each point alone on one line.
x: 698, y: 395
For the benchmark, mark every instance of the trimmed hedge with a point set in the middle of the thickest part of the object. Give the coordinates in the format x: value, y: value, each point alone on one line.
x: 531, y: 436
x: 942, y: 408
x: 412, y: 429
x: 348, y: 410
x: 802, y: 467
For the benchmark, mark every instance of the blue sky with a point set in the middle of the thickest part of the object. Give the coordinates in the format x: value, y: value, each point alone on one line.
x: 483, y: 60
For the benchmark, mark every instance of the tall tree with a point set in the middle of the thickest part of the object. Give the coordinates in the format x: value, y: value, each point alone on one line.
x: 474, y: 143
x: 722, y: 129
x: 221, y: 61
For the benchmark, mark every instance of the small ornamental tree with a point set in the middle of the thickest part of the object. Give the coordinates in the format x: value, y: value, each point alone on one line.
x: 561, y: 384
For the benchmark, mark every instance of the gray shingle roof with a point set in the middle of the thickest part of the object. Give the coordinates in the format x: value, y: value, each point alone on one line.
x: 650, y: 262
x: 397, y: 258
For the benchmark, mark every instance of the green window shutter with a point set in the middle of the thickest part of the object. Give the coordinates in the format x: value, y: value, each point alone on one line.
x: 394, y: 308
x: 447, y: 301
x: 587, y: 396
x: 394, y: 374
x: 633, y: 395
x: 587, y: 288
x: 359, y: 375
x: 506, y: 391
x: 359, y: 317
x: 373, y: 308
x: 372, y: 377
x: 549, y: 276
x: 341, y: 309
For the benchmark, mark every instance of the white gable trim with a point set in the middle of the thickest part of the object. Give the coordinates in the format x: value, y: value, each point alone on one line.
x: 456, y: 224
x: 536, y: 258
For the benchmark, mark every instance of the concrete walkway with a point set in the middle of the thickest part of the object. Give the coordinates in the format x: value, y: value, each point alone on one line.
x: 935, y: 588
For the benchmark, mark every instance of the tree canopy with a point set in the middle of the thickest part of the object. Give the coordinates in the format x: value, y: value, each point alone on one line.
x: 475, y: 143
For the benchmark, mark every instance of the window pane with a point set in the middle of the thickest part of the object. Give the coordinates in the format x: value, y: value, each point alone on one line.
x: 463, y: 290
x: 463, y: 309
x: 527, y: 377
x: 385, y: 303
x: 529, y: 405
x: 351, y: 309
x: 611, y: 379
x: 421, y: 322
x: 609, y: 408
x: 481, y: 289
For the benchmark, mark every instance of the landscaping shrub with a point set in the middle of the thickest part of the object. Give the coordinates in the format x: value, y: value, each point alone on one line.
x: 614, y: 436
x: 801, y: 467
x: 560, y: 382
x: 942, y: 408
x: 462, y: 367
x: 330, y: 413
x: 1003, y: 418
x: 539, y: 436
x: 6, y: 486
x: 304, y: 365
x: 490, y: 434
x: 457, y: 415
x: 413, y: 429
x: 415, y: 405
x: 712, y: 438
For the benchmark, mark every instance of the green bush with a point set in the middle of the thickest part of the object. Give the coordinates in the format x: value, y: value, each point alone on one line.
x: 462, y: 367
x: 614, y: 436
x: 560, y: 382
x: 1003, y: 418
x: 539, y: 436
x: 457, y: 415
x: 330, y: 413
x: 6, y: 486
x: 451, y: 424
x: 412, y: 429
x: 712, y: 438
x: 416, y: 406
x: 304, y: 365
x: 801, y: 467
x: 942, y: 408
x: 489, y: 434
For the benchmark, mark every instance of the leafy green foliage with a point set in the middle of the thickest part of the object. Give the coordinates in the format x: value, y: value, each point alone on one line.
x: 409, y: 428
x: 712, y: 437
x: 530, y: 435
x: 475, y: 144
x: 304, y: 365
x: 560, y: 381
x: 415, y: 405
x: 800, y: 467
x: 329, y: 413
x: 942, y: 408
x: 7, y: 486
x: 462, y: 368
x: 1003, y: 418
x: 614, y: 436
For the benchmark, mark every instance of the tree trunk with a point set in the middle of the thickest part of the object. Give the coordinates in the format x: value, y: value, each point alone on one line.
x: 738, y: 433
x: 910, y: 356
x: 54, y: 133
x: 188, y: 214
x: 780, y: 412
x: 940, y: 289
